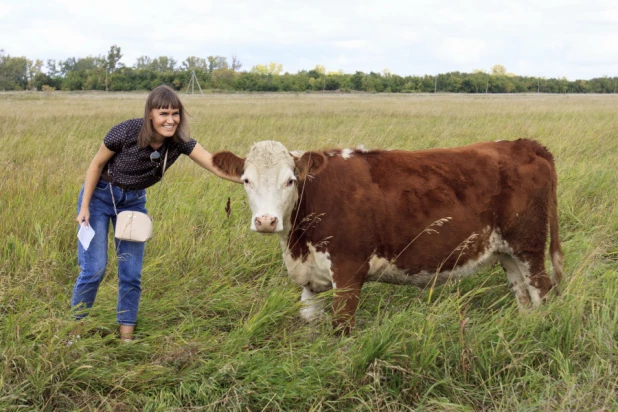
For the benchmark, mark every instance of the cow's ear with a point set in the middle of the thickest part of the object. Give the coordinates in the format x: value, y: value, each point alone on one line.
x: 229, y: 163
x: 310, y: 164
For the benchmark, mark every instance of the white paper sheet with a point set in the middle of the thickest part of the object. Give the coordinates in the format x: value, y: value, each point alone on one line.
x: 85, y: 235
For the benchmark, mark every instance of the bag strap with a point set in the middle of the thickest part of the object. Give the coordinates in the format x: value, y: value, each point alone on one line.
x: 113, y: 200
x: 160, y: 181
x: 164, y: 164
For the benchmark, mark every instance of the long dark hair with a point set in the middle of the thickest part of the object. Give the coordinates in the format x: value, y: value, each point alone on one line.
x: 163, y: 97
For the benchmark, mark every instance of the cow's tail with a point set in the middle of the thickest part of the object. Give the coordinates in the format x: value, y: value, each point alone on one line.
x: 555, y: 250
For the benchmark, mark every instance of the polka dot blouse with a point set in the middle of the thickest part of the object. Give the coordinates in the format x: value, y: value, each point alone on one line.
x: 131, y: 166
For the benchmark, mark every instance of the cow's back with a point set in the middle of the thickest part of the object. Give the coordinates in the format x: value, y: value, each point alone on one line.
x: 377, y: 203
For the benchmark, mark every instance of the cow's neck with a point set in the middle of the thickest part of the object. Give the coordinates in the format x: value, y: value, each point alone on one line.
x: 295, y: 225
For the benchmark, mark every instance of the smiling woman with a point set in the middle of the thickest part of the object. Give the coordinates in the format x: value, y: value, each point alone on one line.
x: 165, y: 122
x: 128, y: 162
x: 167, y: 118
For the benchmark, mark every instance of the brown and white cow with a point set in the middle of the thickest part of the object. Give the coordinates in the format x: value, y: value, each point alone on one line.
x: 345, y: 217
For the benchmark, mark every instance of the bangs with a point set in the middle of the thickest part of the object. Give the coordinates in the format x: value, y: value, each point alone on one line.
x: 164, y: 99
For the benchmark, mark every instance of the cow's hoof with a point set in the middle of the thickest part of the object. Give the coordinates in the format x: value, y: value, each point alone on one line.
x: 342, y: 328
x: 310, y: 316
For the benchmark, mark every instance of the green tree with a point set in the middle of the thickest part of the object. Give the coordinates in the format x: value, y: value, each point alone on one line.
x: 67, y: 66
x: 271, y: 68
x: 320, y: 69
x: 223, y: 79
x: 163, y: 64
x: 73, y: 64
x: 236, y: 64
x: 356, y: 80
x: 216, y: 62
x: 87, y: 73
x: 52, y: 68
x: 113, y: 59
x: 317, y: 78
x: 498, y: 70
x: 143, y: 62
x: 194, y: 63
x: 13, y: 72
x: 334, y: 81
x: 112, y: 63
x: 34, y: 67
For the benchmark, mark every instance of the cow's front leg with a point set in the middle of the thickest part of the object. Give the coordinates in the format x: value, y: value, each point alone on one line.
x: 312, y: 306
x: 345, y: 302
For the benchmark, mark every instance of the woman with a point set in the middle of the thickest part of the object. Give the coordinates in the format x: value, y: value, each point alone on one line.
x: 129, y: 160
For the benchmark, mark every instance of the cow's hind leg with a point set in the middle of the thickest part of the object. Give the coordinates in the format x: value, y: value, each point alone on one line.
x: 516, y: 279
x: 532, y: 266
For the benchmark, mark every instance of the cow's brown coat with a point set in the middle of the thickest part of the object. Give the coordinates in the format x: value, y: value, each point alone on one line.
x: 377, y: 202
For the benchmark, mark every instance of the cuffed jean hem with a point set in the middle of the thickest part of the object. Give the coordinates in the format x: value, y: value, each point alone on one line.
x: 79, y: 311
x: 121, y: 323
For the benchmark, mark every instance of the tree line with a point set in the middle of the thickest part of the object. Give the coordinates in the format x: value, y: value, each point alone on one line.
x: 216, y: 73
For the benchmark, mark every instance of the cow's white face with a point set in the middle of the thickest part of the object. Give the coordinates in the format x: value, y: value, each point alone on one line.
x: 270, y: 174
x: 270, y: 183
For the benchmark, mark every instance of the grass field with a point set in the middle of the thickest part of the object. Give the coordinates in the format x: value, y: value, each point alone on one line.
x: 219, y: 326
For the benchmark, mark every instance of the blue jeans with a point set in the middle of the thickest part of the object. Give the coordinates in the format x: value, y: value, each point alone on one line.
x: 92, y: 262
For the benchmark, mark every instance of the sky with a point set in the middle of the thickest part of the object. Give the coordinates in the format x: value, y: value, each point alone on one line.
x: 541, y: 38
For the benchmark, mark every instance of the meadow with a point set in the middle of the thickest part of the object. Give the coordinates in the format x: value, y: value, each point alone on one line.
x: 219, y: 326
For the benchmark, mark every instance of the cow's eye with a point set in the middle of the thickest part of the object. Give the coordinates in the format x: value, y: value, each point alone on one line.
x: 290, y: 182
x: 246, y: 181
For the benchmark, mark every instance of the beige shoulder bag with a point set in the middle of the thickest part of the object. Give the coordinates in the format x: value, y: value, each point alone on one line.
x: 134, y: 226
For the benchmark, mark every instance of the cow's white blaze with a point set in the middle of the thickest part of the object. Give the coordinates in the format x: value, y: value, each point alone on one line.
x: 269, y: 182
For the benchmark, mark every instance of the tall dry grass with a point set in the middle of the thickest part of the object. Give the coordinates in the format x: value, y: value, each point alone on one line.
x: 219, y: 326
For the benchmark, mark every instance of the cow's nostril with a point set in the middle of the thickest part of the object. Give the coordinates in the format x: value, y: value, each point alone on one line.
x: 274, y: 222
x: 257, y: 221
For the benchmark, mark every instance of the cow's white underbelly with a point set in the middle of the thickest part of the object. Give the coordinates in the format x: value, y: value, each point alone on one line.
x: 383, y: 270
x: 315, y: 271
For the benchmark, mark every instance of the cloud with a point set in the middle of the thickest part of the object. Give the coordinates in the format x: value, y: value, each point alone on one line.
x: 593, y: 49
x: 458, y: 50
x: 351, y: 44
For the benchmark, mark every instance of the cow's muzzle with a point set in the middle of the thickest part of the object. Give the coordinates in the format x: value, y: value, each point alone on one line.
x: 266, y: 224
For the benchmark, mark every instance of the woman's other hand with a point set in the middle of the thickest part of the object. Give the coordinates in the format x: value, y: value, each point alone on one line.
x: 83, y: 217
